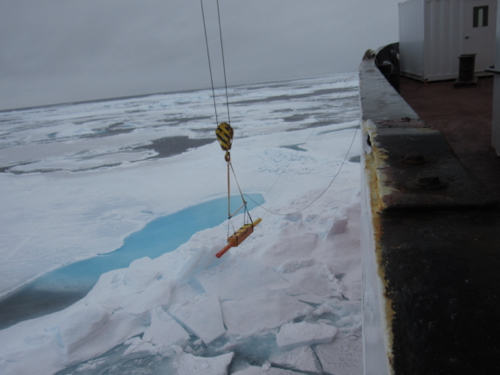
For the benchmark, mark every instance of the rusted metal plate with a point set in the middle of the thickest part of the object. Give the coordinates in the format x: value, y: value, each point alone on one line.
x: 404, y: 122
x: 430, y: 245
x: 416, y: 168
x: 441, y: 273
x: 380, y: 101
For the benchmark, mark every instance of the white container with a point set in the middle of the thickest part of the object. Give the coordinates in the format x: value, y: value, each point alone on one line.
x: 434, y: 33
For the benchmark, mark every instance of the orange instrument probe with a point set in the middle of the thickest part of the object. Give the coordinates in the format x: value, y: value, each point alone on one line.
x: 238, y: 237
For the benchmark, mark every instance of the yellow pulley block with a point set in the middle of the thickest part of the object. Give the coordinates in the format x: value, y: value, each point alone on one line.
x: 224, y: 134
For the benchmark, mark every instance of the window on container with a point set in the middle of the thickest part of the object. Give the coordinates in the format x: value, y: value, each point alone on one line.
x: 480, y: 16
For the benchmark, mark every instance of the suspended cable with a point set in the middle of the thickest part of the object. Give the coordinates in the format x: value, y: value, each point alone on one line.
x: 209, y: 63
x: 293, y: 158
x: 223, y: 62
x: 320, y: 195
x: 305, y: 141
x: 224, y: 134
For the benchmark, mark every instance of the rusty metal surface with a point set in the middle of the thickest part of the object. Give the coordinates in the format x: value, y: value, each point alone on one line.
x: 401, y: 123
x: 383, y: 102
x: 441, y: 271
x: 417, y: 169
x: 434, y: 246
x: 464, y: 116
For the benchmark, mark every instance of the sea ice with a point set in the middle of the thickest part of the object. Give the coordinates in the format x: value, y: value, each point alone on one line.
x: 313, y: 276
x: 285, y: 268
x: 120, y: 290
x: 301, y: 358
x: 87, y: 330
x: 202, y: 316
x: 254, y: 370
x: 229, y: 280
x: 309, y: 298
x: 341, y: 356
x: 298, y: 334
x: 163, y: 333
x: 137, y: 345
x: 339, y: 225
x: 295, y: 217
x: 352, y: 281
x: 188, y: 364
x: 261, y: 310
x: 292, y: 243
x: 90, y: 365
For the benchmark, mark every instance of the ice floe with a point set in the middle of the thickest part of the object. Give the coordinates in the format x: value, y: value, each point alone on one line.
x: 339, y: 356
x: 188, y: 364
x: 286, y: 301
x: 303, y: 333
x: 300, y: 358
x: 161, y: 336
x: 202, y: 316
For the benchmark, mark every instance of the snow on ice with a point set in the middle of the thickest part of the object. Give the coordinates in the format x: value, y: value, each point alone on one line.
x: 295, y: 334
x: 160, y: 337
x: 188, y: 364
x: 300, y: 358
x: 202, y: 316
x: 265, y: 370
x: 286, y: 301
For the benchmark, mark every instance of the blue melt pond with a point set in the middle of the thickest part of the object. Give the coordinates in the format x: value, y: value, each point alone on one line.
x: 59, y: 289
x: 160, y: 236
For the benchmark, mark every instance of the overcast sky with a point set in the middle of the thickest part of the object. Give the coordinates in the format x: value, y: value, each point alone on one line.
x: 56, y: 51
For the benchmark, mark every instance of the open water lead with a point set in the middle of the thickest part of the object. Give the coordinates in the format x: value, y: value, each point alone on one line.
x: 224, y: 134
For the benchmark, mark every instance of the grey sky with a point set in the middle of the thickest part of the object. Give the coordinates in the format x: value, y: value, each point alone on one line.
x: 55, y: 51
